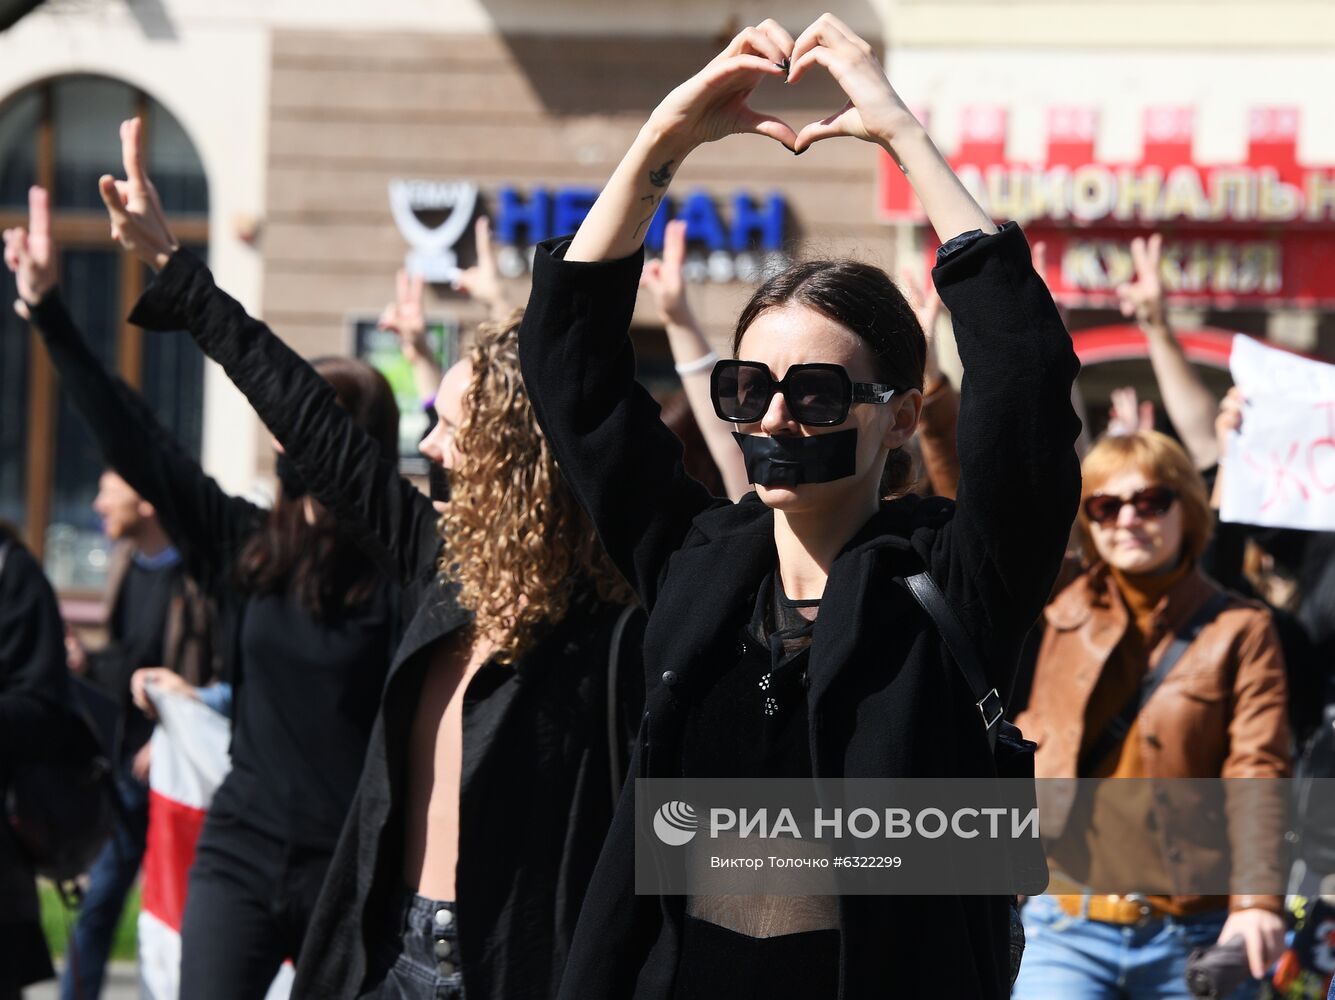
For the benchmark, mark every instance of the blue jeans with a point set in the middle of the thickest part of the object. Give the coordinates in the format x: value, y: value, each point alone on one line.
x: 1073, y: 958
x: 419, y: 960
x: 109, y: 882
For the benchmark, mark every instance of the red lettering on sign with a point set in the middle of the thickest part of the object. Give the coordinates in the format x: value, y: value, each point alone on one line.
x: 1279, y: 474
x: 1327, y: 442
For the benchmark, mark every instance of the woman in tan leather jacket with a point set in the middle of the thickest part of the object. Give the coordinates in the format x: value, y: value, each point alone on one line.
x: 1219, y: 712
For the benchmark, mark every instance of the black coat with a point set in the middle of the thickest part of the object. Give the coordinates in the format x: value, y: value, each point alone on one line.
x: 883, y: 699
x: 208, y: 526
x: 535, y: 799
x: 211, y: 530
x: 34, y: 699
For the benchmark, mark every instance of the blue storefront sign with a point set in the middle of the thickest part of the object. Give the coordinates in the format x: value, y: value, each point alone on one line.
x: 750, y: 223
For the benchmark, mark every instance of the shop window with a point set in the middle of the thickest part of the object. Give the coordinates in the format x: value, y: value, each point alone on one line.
x: 64, y: 134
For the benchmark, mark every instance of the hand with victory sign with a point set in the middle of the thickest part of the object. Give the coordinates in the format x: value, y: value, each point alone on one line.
x: 406, y: 316
x: 138, y: 222
x: 482, y: 281
x: 665, y: 281
x: 1143, y: 298
x: 30, y: 254
x: 1189, y: 403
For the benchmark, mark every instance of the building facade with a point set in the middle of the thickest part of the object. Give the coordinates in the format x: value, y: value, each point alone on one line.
x: 310, y: 150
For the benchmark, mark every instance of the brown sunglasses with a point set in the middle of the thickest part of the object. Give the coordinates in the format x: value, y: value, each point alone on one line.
x: 1152, y: 501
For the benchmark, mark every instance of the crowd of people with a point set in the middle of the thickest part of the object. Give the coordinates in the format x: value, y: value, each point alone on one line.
x: 440, y: 703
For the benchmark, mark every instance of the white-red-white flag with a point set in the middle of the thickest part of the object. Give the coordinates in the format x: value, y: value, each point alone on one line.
x: 189, y: 762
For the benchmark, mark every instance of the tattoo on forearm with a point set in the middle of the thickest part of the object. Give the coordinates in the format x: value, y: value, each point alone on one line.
x: 660, y: 177
x: 653, y: 200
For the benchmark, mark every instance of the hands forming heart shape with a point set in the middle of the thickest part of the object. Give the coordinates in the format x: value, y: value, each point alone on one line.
x: 715, y: 102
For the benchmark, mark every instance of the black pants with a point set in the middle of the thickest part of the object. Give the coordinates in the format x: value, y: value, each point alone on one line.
x: 247, y: 909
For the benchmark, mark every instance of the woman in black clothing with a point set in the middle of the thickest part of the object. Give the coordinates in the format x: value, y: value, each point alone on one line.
x: 873, y: 693
x: 493, y: 765
x: 309, y: 624
x: 34, y: 697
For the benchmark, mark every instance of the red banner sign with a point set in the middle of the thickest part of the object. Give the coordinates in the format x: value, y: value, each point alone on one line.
x: 1258, y: 231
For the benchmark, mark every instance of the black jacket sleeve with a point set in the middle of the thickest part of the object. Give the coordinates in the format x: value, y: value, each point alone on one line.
x: 342, y: 466
x: 204, y: 523
x: 623, y: 464
x: 34, y: 685
x: 1019, y: 473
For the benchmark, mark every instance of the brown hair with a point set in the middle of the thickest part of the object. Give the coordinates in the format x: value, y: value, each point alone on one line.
x: 325, y: 569
x: 521, y: 548
x: 863, y: 299
x: 1163, y: 461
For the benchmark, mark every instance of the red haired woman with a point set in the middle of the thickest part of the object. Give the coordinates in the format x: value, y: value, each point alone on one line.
x: 1219, y: 711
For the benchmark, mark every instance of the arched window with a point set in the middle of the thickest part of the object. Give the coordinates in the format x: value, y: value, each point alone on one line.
x: 64, y: 134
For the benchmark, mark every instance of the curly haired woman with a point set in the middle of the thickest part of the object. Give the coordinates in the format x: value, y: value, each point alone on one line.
x: 487, y: 789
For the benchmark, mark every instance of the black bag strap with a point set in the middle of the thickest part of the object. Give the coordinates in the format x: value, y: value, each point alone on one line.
x: 926, y: 592
x: 614, y: 701
x: 1121, y: 724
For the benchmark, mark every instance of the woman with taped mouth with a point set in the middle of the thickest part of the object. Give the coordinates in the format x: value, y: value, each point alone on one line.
x: 779, y: 643
x: 501, y: 734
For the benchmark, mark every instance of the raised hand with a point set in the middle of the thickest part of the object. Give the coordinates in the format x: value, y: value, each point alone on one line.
x: 30, y: 254
x: 874, y: 111
x: 663, y: 278
x: 406, y: 317
x: 715, y: 102
x: 138, y: 222
x: 926, y: 305
x: 1143, y: 297
x: 482, y: 281
x: 1126, y: 415
x: 1229, y: 419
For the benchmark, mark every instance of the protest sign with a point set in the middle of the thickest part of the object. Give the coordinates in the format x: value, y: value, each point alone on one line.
x: 1281, y: 465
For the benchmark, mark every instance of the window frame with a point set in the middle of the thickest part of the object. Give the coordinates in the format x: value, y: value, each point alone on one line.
x: 75, y: 229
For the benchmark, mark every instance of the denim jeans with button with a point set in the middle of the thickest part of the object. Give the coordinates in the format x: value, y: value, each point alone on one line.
x: 109, y: 882
x: 420, y: 959
x: 1074, y: 958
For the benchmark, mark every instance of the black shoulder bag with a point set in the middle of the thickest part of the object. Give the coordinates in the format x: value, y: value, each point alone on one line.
x: 615, y: 739
x: 1014, y: 755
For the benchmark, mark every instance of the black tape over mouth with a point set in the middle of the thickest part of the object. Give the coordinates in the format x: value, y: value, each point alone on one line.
x: 438, y: 482
x: 792, y: 461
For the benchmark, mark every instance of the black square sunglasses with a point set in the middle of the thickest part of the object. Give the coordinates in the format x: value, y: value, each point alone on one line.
x: 817, y: 394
